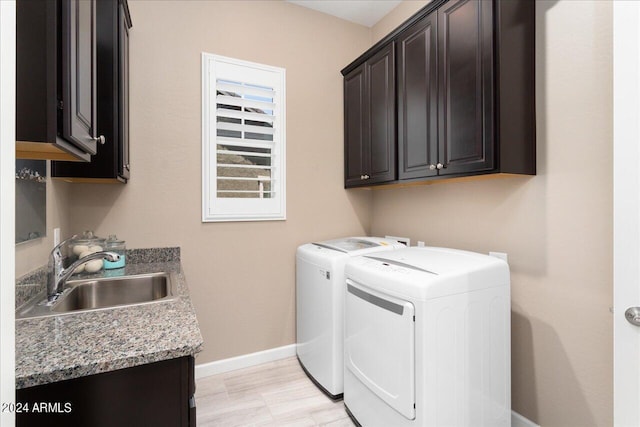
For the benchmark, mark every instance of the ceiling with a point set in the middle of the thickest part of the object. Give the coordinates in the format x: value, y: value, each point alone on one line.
x: 363, y: 12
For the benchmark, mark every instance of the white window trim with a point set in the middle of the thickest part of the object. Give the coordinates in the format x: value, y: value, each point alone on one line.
x: 212, y: 209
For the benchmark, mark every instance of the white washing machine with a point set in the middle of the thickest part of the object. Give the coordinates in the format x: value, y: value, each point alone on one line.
x: 427, y: 339
x: 320, y: 294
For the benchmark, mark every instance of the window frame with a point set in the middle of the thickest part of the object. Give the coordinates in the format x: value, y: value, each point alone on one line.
x: 220, y: 209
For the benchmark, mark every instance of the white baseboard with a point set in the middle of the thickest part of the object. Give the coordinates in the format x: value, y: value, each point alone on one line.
x: 518, y: 420
x: 225, y: 365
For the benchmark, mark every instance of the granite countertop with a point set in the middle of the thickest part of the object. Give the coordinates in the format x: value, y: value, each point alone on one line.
x: 56, y: 348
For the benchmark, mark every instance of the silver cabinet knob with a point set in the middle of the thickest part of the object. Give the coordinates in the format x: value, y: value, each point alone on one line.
x: 633, y: 315
x: 439, y: 166
x: 101, y: 139
x: 432, y: 167
x: 367, y: 177
x: 361, y: 177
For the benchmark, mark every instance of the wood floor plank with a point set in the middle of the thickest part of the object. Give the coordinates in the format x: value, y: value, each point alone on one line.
x: 274, y: 394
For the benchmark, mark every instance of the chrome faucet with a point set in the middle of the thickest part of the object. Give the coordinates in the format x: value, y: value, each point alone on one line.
x: 57, y: 275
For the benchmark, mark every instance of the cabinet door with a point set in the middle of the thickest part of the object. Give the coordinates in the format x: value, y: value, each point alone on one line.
x: 110, y: 163
x: 356, y: 150
x: 124, y: 23
x: 465, y: 54
x: 159, y: 394
x: 418, y: 100
x: 382, y: 117
x: 78, y: 100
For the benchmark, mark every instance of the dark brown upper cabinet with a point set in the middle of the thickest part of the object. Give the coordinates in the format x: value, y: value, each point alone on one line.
x: 370, y: 120
x: 56, y: 79
x: 111, y: 162
x: 418, y: 99
x: 465, y: 86
x: 465, y: 90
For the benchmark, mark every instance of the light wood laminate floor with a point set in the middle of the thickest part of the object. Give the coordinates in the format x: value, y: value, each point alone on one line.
x: 274, y: 394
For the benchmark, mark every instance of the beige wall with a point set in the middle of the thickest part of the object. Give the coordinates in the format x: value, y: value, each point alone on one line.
x: 556, y: 227
x: 396, y: 17
x: 241, y: 275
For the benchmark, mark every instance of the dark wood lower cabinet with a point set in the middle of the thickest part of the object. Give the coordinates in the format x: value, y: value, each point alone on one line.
x: 156, y: 394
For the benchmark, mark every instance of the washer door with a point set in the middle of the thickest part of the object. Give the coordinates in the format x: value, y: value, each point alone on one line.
x: 379, y: 345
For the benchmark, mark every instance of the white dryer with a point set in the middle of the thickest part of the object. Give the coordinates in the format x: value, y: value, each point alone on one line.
x: 320, y: 285
x: 427, y: 339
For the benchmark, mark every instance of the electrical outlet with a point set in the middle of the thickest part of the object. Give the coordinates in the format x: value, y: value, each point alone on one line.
x: 420, y: 244
x: 500, y: 255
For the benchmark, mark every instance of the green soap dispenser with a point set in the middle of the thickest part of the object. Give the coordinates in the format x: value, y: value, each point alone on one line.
x: 113, y: 244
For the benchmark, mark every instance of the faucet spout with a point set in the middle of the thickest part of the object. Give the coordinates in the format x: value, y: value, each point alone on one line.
x: 67, y: 272
x: 57, y: 275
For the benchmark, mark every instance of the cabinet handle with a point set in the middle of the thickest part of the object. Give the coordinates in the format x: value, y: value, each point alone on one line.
x: 439, y: 166
x: 432, y: 167
x: 361, y: 177
x: 101, y: 139
x: 367, y: 177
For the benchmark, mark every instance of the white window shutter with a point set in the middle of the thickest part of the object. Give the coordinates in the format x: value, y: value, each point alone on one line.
x: 243, y: 140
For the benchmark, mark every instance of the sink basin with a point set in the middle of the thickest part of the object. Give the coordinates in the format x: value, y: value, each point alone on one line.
x: 107, y: 292
x: 110, y: 292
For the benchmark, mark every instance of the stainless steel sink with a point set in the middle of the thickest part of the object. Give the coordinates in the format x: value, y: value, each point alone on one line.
x: 107, y: 292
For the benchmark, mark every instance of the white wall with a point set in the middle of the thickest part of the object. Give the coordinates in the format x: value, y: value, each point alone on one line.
x: 7, y: 207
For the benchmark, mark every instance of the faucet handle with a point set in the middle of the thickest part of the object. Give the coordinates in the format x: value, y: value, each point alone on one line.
x: 64, y: 242
x: 55, y: 252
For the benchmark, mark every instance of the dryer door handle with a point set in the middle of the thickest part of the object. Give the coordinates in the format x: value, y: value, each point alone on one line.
x: 377, y: 301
